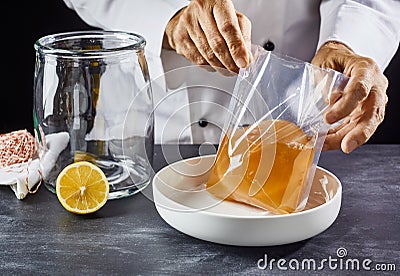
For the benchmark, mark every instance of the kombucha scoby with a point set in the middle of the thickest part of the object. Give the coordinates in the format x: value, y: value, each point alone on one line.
x: 265, y: 165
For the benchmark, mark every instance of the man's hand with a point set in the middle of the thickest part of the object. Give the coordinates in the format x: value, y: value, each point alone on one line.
x: 210, y: 32
x: 363, y: 102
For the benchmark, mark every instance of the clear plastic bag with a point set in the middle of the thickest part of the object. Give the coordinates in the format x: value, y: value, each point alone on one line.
x: 273, y: 137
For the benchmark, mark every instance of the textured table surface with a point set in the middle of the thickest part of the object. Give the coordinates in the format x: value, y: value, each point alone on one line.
x: 128, y: 237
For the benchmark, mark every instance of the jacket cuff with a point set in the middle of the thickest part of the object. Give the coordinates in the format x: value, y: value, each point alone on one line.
x: 368, y: 32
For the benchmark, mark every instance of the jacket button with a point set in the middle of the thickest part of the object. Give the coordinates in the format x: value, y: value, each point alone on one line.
x: 269, y: 46
x: 203, y: 122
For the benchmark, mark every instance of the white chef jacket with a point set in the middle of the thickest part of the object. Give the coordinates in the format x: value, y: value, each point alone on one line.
x: 191, y: 104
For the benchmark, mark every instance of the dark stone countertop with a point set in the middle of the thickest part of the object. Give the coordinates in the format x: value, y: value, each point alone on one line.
x: 128, y: 237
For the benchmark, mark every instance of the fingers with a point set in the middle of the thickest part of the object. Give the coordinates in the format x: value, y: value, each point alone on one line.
x: 220, y: 35
x: 362, y: 102
x: 364, y: 76
x: 187, y: 48
x: 373, y: 111
x: 200, y: 40
x: 335, y: 136
x: 358, y: 128
x: 217, y: 44
x: 228, y: 26
x: 245, y: 27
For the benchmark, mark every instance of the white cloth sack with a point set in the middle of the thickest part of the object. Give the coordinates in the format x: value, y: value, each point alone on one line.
x: 23, y: 177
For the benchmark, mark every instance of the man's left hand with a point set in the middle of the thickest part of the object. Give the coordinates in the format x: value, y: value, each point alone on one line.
x: 362, y: 104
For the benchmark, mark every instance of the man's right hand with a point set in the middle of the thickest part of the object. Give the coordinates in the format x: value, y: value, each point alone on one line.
x: 211, y: 32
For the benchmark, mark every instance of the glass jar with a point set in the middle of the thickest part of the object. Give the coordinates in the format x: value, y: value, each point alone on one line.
x: 93, y: 101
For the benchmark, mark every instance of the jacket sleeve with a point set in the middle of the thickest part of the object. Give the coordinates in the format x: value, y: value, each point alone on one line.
x: 369, y: 27
x: 145, y: 17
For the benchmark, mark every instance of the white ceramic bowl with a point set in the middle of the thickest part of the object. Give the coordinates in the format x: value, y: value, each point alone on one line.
x: 182, y: 201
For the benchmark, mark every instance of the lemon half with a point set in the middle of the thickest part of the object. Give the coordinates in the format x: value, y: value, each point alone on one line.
x: 82, y: 188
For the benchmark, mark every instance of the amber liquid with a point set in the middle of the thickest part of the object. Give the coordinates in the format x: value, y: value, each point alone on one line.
x: 264, y: 166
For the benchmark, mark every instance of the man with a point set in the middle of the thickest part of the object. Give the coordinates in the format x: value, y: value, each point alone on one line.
x: 358, y: 38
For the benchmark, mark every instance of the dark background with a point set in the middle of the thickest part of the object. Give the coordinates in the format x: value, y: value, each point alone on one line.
x: 52, y: 16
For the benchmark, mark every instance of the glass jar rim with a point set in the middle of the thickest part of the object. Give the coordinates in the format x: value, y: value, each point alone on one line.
x: 129, y: 42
